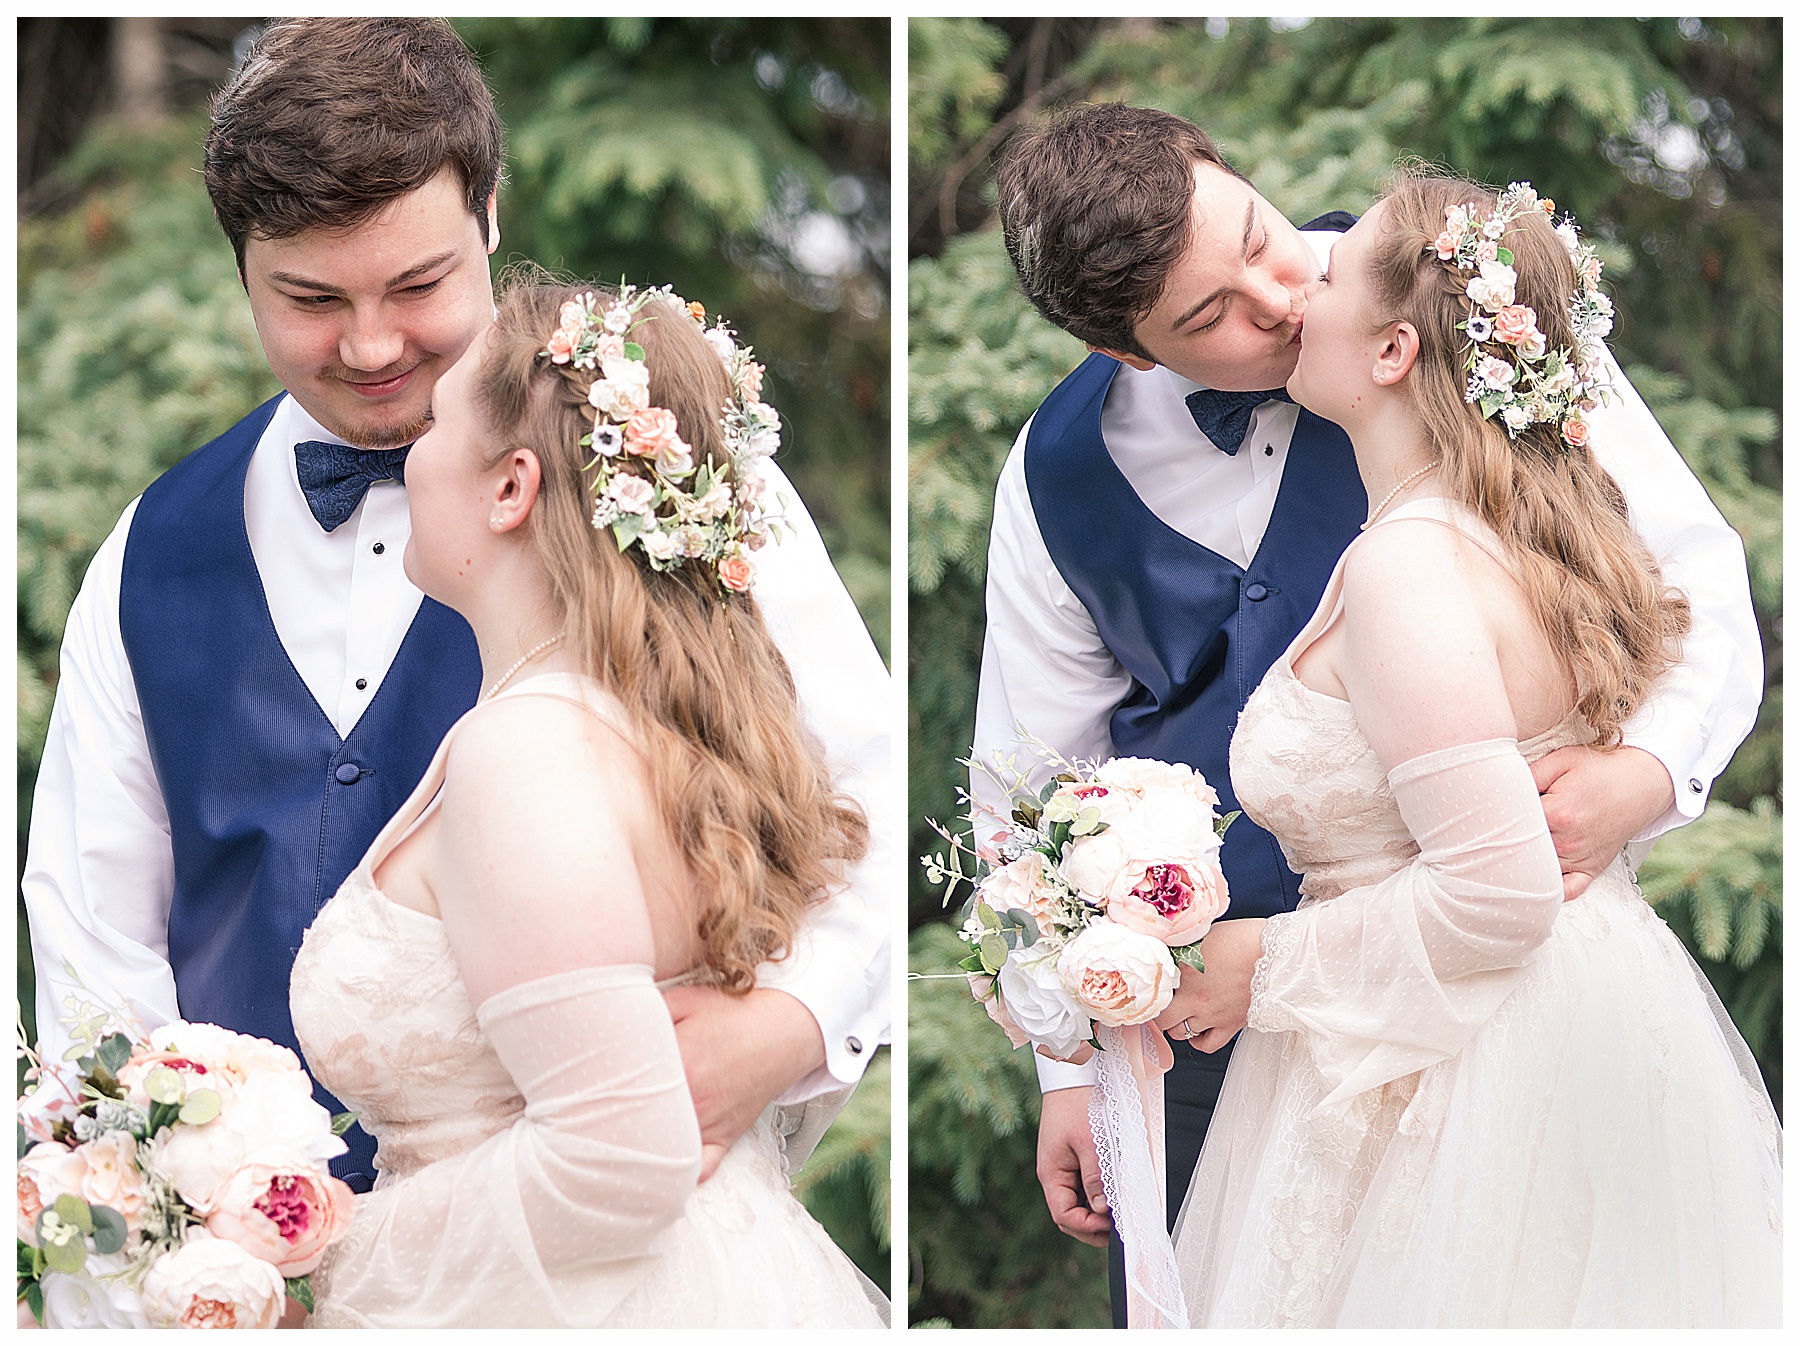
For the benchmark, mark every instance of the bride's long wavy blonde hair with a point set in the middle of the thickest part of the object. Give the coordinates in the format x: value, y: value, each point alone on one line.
x: 743, y: 788
x: 1593, y: 586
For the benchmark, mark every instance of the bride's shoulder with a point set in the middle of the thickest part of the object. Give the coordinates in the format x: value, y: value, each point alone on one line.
x: 1421, y: 563
x: 528, y: 748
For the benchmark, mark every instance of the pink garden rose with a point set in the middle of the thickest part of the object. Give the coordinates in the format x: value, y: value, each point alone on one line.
x: 1023, y: 885
x: 213, y: 1282
x: 112, y: 1177
x: 47, y: 1170
x: 631, y: 494
x: 608, y: 349
x: 1487, y: 251
x: 1175, y: 901
x: 1575, y: 431
x: 561, y: 343
x: 279, y: 1206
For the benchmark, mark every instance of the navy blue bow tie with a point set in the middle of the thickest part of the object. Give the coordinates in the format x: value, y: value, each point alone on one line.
x: 336, y: 477
x: 1225, y: 417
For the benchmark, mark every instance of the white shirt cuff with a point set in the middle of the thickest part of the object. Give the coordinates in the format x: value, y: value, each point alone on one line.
x: 1054, y: 1075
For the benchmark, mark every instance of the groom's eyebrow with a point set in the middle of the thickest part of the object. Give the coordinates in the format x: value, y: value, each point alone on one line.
x: 394, y: 282
x: 1249, y: 225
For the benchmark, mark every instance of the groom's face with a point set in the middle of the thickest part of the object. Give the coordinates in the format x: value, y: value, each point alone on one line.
x: 359, y: 323
x: 1229, y: 313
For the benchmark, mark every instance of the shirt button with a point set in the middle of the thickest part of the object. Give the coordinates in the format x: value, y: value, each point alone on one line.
x: 1268, y: 450
x: 855, y: 1046
x: 378, y: 549
x: 1256, y: 592
x: 1695, y: 786
x: 362, y: 684
x: 348, y: 773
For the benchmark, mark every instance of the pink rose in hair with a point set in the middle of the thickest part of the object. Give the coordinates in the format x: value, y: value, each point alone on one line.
x: 631, y: 494
x: 651, y: 433
x: 609, y: 348
x: 1487, y: 251
x: 561, y: 343
x: 1575, y: 431
x: 737, y: 572
x: 1446, y: 245
x: 1515, y: 324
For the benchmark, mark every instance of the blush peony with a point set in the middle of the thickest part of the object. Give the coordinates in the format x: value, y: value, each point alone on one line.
x: 46, y: 1171
x: 280, y: 1207
x: 1175, y: 900
x: 1022, y: 885
x: 212, y: 1282
x: 1117, y: 975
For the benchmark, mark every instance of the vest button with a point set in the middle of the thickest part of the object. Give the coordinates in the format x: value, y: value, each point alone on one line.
x: 348, y: 773
x: 378, y: 549
x: 1256, y: 592
x: 362, y: 684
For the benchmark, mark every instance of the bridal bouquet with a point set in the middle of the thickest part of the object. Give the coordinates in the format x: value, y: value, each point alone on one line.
x: 177, y: 1180
x: 1088, y: 896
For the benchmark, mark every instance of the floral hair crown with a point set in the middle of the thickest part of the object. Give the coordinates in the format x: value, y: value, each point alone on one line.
x: 648, y: 489
x: 1512, y: 372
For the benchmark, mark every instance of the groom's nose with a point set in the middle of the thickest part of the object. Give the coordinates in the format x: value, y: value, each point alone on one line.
x: 370, y: 341
x: 1273, y: 303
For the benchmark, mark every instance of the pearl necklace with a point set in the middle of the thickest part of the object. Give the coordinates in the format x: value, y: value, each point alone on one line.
x: 526, y: 658
x: 1404, y: 483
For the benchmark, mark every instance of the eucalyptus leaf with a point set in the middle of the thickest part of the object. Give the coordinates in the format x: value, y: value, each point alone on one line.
x: 299, y: 1289
x: 164, y: 1085
x: 343, y: 1121
x: 115, y: 1052
x: 72, y: 1210
x: 626, y: 529
x: 1048, y: 790
x: 109, y: 1229
x: 25, y: 1141
x: 200, y: 1107
x: 993, y: 954
x: 67, y: 1258
x: 989, y: 918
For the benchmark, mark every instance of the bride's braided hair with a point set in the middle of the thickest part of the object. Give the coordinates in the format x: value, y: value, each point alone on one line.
x: 1593, y: 586
x: 740, y: 783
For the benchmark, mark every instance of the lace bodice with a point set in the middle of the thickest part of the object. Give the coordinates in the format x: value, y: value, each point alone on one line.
x: 1303, y: 771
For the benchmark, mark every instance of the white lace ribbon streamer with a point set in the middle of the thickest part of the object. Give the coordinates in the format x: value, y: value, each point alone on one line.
x: 1126, y: 1113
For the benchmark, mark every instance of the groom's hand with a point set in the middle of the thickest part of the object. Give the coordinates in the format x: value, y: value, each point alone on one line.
x: 1210, y: 1007
x: 1069, y: 1170
x: 740, y: 1053
x: 1595, y: 801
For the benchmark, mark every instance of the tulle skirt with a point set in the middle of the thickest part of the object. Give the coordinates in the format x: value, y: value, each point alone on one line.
x: 1602, y: 1154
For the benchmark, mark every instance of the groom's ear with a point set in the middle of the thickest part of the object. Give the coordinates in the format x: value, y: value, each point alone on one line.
x: 1137, y: 362
x: 1395, y: 353
x: 493, y: 218
x: 517, y: 490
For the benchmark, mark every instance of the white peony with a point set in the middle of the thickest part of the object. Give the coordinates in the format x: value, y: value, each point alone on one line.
x: 212, y: 1282
x: 197, y: 1160
x: 1119, y: 976
x: 278, y: 1109
x: 83, y: 1300
x: 1033, y: 994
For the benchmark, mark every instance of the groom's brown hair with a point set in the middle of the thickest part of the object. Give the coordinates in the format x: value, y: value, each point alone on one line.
x: 1096, y: 203
x: 327, y: 120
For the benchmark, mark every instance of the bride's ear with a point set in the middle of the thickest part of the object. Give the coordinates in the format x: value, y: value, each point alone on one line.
x: 516, y: 490
x: 1395, y: 352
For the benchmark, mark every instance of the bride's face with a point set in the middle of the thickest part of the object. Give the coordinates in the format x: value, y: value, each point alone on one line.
x: 448, y: 494
x: 1336, y: 372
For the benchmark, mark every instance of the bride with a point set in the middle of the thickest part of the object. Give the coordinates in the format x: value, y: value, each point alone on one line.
x: 1460, y: 1100
x: 633, y: 803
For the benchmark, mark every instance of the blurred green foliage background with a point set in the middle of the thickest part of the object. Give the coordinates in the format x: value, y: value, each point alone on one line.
x: 1662, y: 135
x: 744, y: 161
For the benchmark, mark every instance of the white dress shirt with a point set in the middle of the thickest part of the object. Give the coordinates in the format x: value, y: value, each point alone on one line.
x: 1044, y: 666
x: 99, y: 872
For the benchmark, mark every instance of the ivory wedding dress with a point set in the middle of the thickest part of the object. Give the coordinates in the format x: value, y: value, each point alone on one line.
x: 538, y: 1153
x: 1437, y: 1116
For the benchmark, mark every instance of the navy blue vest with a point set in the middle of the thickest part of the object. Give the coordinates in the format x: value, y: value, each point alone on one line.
x: 1195, y: 631
x: 269, y: 810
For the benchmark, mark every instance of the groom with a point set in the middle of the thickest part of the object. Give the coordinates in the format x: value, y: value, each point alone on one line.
x: 249, y: 685
x: 1167, y: 521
